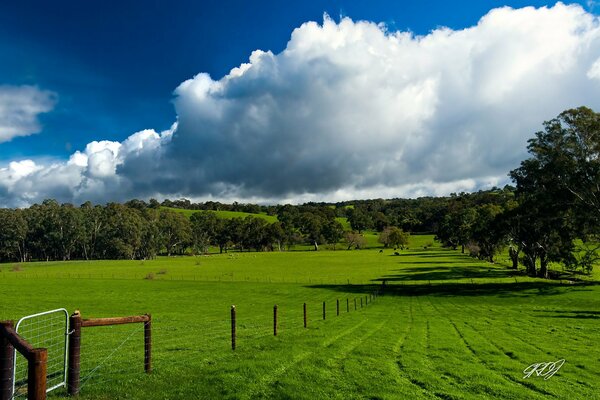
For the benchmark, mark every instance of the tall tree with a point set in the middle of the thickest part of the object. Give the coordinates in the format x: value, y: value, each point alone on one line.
x: 558, y: 188
x: 175, y: 231
x: 204, y: 230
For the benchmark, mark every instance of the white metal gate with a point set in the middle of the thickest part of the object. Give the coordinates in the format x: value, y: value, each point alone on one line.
x: 49, y: 330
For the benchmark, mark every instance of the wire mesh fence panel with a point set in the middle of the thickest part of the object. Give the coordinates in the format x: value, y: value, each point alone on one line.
x: 111, y: 353
x: 47, y: 330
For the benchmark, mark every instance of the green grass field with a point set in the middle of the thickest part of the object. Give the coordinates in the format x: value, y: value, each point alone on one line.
x: 225, y: 214
x: 447, y: 326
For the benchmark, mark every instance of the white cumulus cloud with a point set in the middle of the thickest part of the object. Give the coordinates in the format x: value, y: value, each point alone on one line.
x: 20, y: 107
x: 351, y: 110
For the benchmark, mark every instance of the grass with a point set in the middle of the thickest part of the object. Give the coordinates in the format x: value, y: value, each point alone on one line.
x: 447, y: 326
x: 225, y: 214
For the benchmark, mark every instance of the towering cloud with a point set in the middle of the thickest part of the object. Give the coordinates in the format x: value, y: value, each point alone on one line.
x: 348, y: 110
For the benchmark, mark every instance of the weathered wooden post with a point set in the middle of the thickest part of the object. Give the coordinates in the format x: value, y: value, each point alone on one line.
x: 7, y: 352
x: 232, y: 327
x: 337, y: 307
x: 275, y: 320
x: 347, y: 305
x: 323, y: 310
x: 74, y: 368
x: 148, y: 344
x: 305, y: 315
x: 37, y: 369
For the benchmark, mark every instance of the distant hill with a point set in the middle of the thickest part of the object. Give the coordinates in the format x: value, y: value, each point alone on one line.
x: 225, y: 214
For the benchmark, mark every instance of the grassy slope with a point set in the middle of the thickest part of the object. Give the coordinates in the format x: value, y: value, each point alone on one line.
x: 225, y: 214
x: 448, y: 326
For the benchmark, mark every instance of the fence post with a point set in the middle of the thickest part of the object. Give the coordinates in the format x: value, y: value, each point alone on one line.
x: 361, y: 302
x: 232, y: 327
x: 275, y: 320
x: 337, y: 307
x: 7, y: 352
x: 347, y: 305
x: 74, y: 354
x: 36, y: 375
x: 305, y: 315
x: 148, y: 344
x: 323, y: 310
x: 355, y: 304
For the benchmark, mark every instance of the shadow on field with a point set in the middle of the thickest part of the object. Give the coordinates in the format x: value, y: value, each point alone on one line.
x: 440, y: 273
x: 500, y: 289
x: 577, y: 314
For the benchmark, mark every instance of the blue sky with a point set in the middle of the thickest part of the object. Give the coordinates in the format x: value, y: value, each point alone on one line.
x: 112, y: 66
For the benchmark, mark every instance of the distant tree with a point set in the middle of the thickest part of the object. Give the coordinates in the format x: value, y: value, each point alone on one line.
x: 277, y: 235
x: 486, y: 232
x: 153, y: 203
x: 333, y: 232
x: 13, y: 233
x: 311, y: 225
x: 92, y: 222
x: 204, y: 230
x: 359, y: 220
x: 380, y: 221
x: 150, y: 244
x: 121, y: 233
x: 175, y: 231
x: 254, y: 233
x: 355, y: 240
x: 137, y: 204
x: 394, y: 236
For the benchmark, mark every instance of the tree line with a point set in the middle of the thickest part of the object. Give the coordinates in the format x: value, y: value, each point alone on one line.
x: 140, y: 230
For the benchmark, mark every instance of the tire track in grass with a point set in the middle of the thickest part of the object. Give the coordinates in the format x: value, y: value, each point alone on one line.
x: 503, y: 352
x: 484, y: 363
x: 398, y: 377
x: 513, y: 336
x: 269, y: 379
x: 519, y: 339
x: 398, y: 349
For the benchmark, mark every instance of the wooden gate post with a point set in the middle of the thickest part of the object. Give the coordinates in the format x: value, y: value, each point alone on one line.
x: 36, y: 374
x: 323, y: 310
x: 148, y: 344
x: 74, y: 354
x: 7, y: 352
x: 337, y: 307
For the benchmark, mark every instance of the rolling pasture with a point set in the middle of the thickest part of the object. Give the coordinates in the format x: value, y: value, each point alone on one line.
x: 446, y: 326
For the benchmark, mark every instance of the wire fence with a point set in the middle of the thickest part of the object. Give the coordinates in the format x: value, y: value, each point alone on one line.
x: 112, y: 354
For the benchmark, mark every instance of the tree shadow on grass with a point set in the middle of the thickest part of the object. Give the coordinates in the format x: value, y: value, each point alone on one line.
x: 576, y: 314
x: 421, y: 253
x: 499, y: 289
x: 442, y: 273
